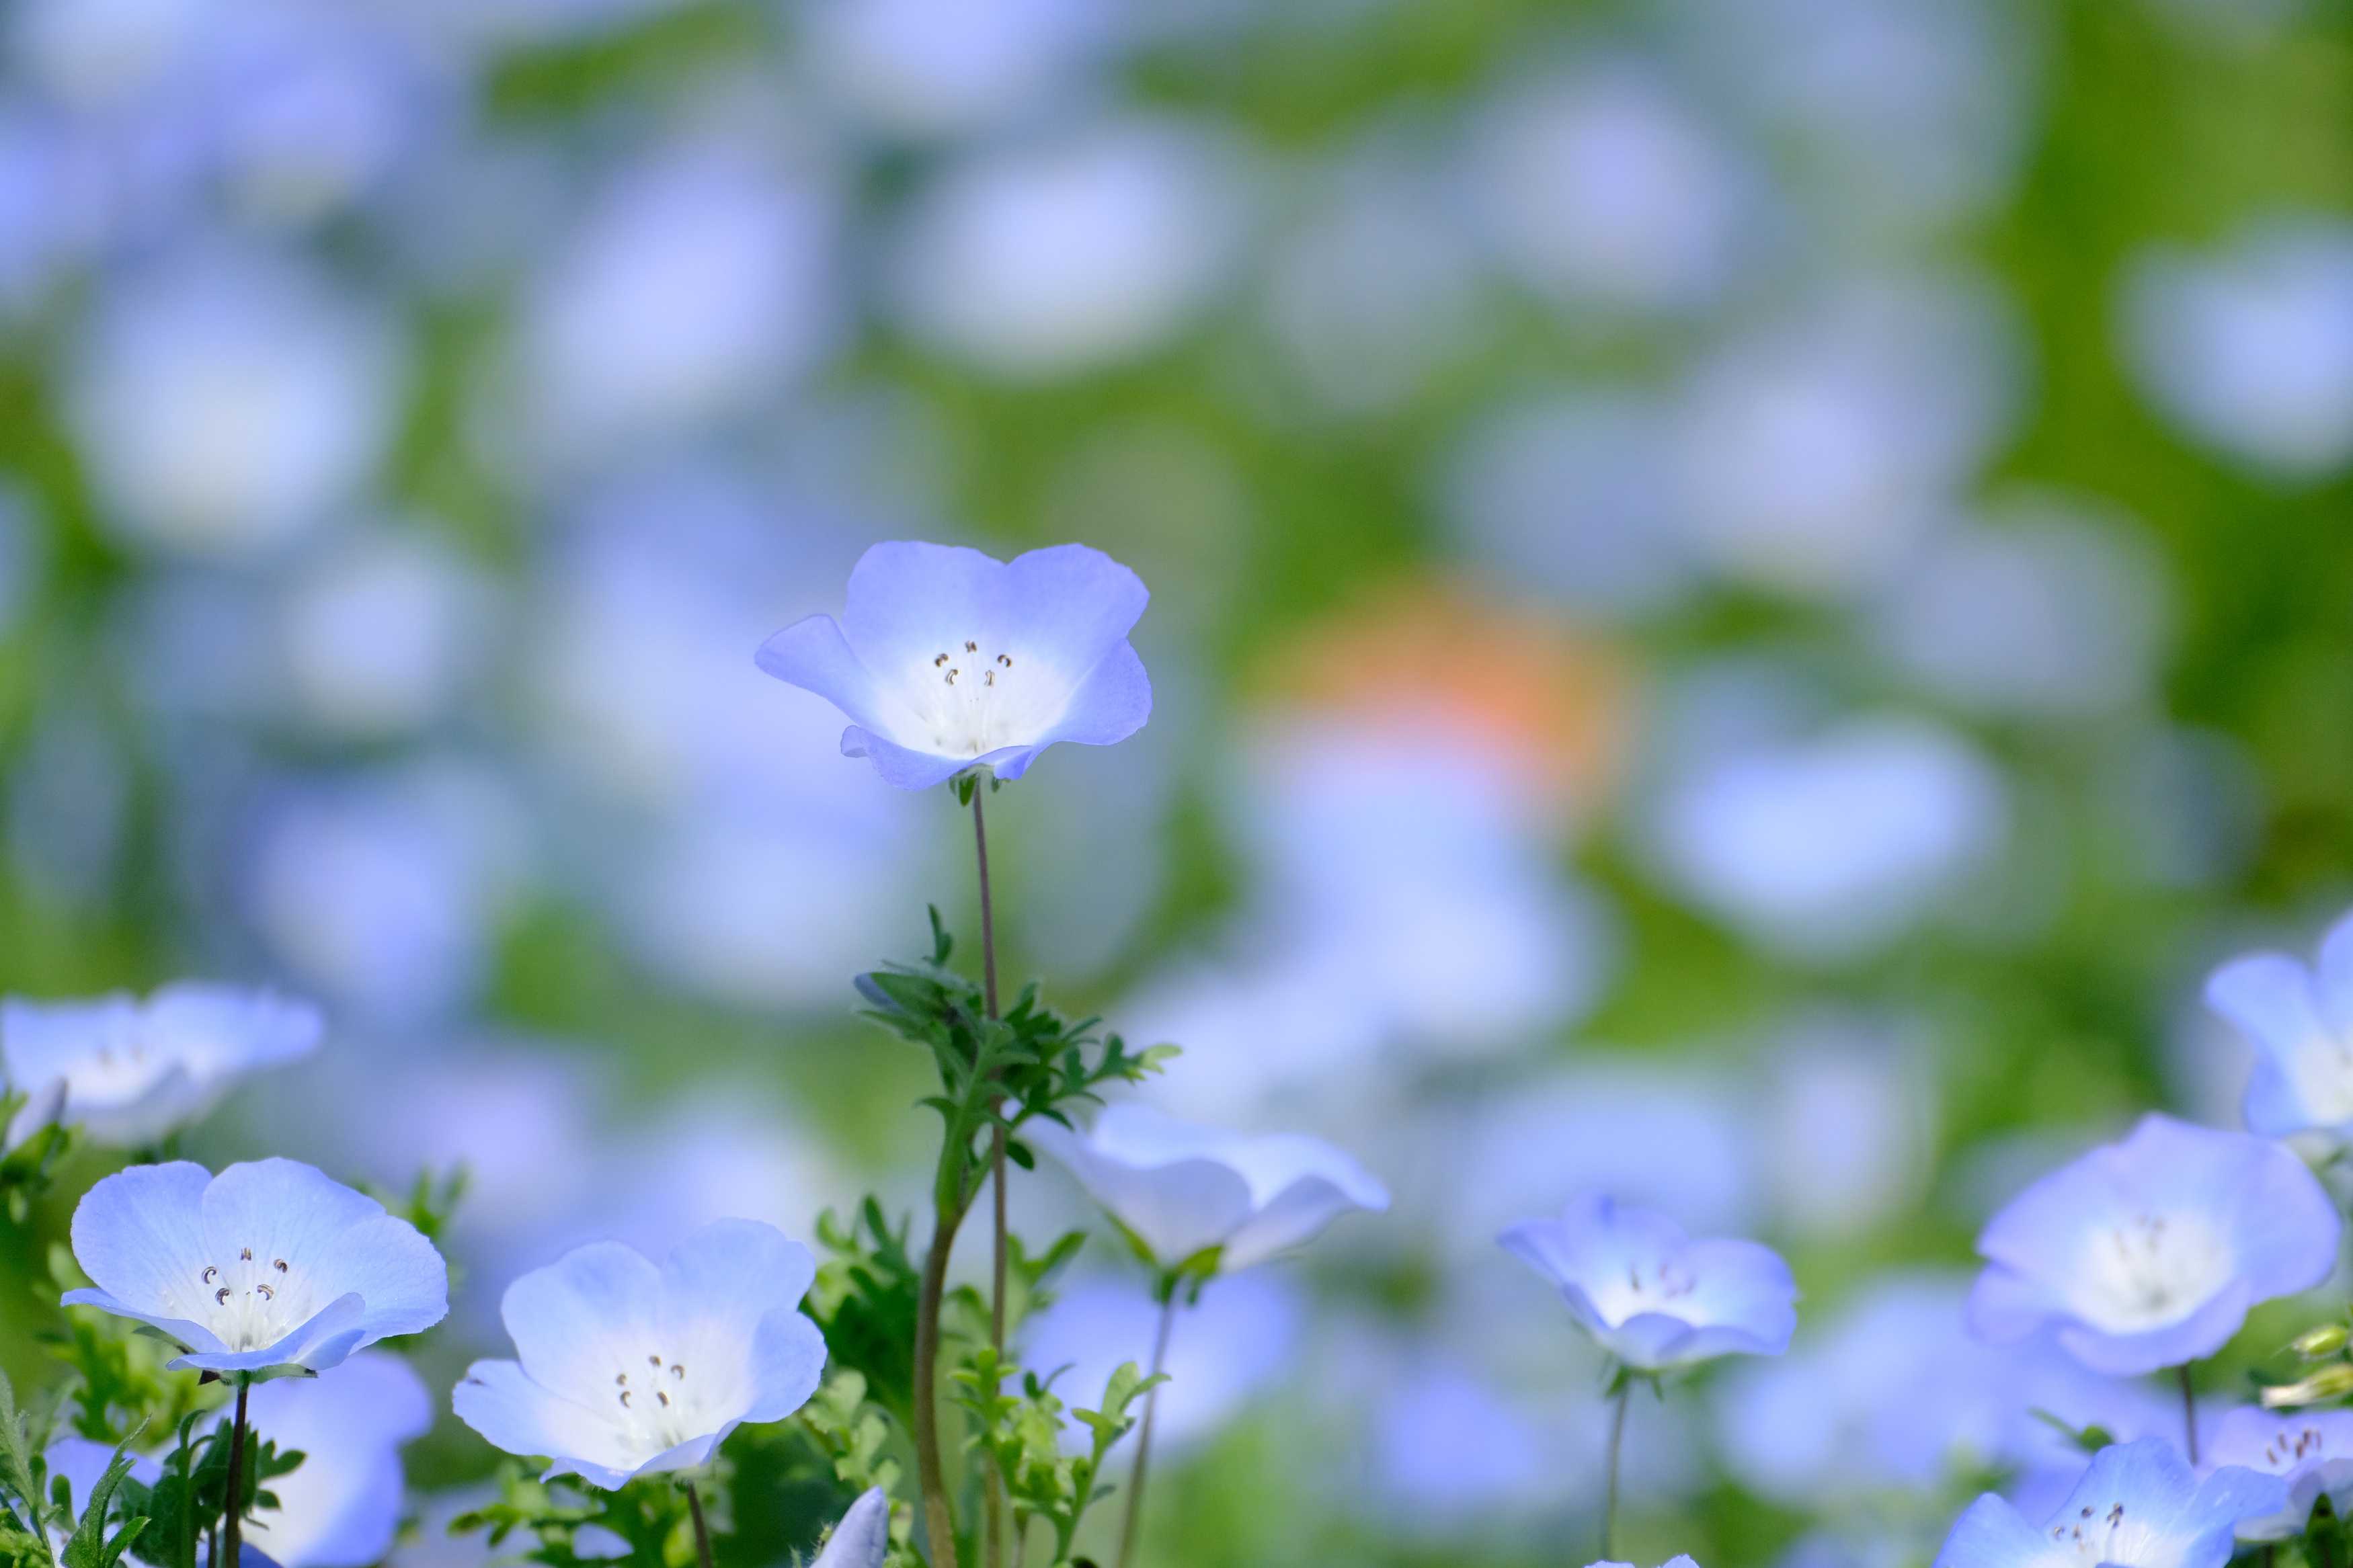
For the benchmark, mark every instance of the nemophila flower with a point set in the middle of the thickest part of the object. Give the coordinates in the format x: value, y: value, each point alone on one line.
x: 267, y: 1265
x: 2300, y: 1021
x: 862, y: 1537
x: 627, y: 1367
x: 946, y: 659
x: 1651, y: 1296
x: 134, y: 1070
x: 342, y: 1507
x: 2139, y: 1506
x: 2312, y: 1451
x: 2147, y: 1253
x: 1198, y: 1196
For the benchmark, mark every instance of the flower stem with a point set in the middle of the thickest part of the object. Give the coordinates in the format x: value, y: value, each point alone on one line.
x: 931, y: 1475
x: 1609, y: 1481
x: 701, y: 1529
x: 233, y: 1501
x: 994, y: 1490
x: 1132, y: 1525
x: 2189, y: 1412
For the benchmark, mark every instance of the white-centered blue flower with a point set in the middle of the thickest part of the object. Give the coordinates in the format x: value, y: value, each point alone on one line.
x: 267, y: 1265
x: 2147, y: 1253
x: 1652, y: 1297
x: 946, y: 659
x: 134, y: 1070
x: 863, y: 1538
x: 628, y: 1367
x: 2300, y: 1021
x: 1187, y: 1194
x: 2311, y: 1451
x: 2139, y: 1506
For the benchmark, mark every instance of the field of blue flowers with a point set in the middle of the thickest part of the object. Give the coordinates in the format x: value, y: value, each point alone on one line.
x: 1167, y: 784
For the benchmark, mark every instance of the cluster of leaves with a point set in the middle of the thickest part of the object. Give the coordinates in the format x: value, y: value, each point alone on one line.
x: 853, y: 1436
x: 995, y: 1073
x: 1020, y: 1429
x: 864, y: 1303
x: 37, y: 1510
x: 565, y: 1524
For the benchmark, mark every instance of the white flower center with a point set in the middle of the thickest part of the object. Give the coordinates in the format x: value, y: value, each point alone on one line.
x: 2150, y: 1270
x: 252, y: 1301
x: 1659, y: 1287
x: 119, y: 1071
x: 2322, y: 1073
x: 662, y: 1404
x: 2110, y: 1534
x: 2289, y: 1450
x: 973, y: 699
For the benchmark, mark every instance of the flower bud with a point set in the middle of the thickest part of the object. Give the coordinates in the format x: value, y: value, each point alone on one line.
x: 2325, y: 1340
x: 2328, y: 1382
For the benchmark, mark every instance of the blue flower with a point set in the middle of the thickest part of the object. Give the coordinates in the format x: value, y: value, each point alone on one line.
x: 862, y: 1537
x: 2311, y: 1451
x: 1651, y: 1296
x: 2139, y: 1506
x: 135, y: 1070
x: 946, y: 660
x: 1681, y: 1560
x: 627, y: 1368
x: 2300, y: 1021
x: 343, y: 1508
x: 267, y: 1265
x: 1188, y: 1194
x: 2147, y: 1253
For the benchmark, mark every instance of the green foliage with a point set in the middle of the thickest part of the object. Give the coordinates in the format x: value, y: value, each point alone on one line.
x: 120, y: 1384
x: 854, y: 1437
x: 25, y: 1170
x: 89, y: 1545
x: 187, y: 1504
x: 864, y: 1302
x: 1021, y: 1433
x: 544, y: 1519
x: 25, y: 1512
x: 994, y: 1072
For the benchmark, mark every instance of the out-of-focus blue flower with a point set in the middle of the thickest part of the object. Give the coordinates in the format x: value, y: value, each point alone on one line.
x: 1182, y: 1191
x: 1836, y: 843
x: 2300, y: 1021
x: 2147, y: 1253
x: 1652, y: 1296
x: 1053, y: 258
x: 2312, y: 1450
x: 2139, y: 1506
x: 863, y: 1536
x: 1602, y: 188
x: 1229, y: 1345
x: 344, y: 1506
x: 946, y: 660
x: 134, y: 1070
x: 2251, y: 350
x: 1681, y: 1560
x: 1846, y: 1115
x: 628, y: 1369
x: 380, y: 633
x: 267, y: 1265
x: 226, y: 401
x: 938, y: 69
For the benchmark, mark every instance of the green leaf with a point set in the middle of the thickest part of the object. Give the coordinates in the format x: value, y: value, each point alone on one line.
x: 89, y: 1546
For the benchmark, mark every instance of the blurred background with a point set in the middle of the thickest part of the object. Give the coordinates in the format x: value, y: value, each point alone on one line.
x: 1745, y: 595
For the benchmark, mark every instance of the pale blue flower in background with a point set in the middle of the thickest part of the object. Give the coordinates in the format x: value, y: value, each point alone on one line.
x: 2299, y: 1018
x: 344, y: 1506
x: 1182, y: 1192
x: 267, y: 1265
x: 1064, y: 255
x: 936, y: 69
x: 1681, y: 1560
x: 2250, y: 348
x: 2139, y: 1506
x: 380, y: 633
x: 1652, y: 1296
x: 136, y: 1069
x: 863, y: 1538
x: 226, y: 401
x: 2312, y: 1450
x: 1845, y: 1106
x: 2147, y: 1253
x: 630, y: 1369
x: 947, y: 660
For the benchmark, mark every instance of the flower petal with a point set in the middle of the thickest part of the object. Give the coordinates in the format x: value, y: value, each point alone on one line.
x: 1071, y: 605
x: 1176, y: 1206
x: 2270, y: 998
x: 591, y: 1310
x: 1991, y: 1534
x: 813, y: 655
x: 281, y: 1209
x: 908, y: 601
x: 862, y: 1537
x: 512, y: 1412
x: 400, y: 1274
x: 787, y: 1362
x: 139, y: 1235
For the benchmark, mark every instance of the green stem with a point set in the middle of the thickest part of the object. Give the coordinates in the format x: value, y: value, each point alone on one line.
x: 1133, y: 1526
x: 993, y: 1487
x: 233, y: 1499
x: 1609, y: 1482
x: 701, y: 1529
x: 931, y: 1474
x: 2189, y: 1412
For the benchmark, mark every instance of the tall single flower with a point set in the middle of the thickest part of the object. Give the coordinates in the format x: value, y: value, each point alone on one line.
x: 628, y: 1367
x: 863, y: 1538
x: 134, y: 1070
x: 1206, y: 1198
x: 2311, y: 1451
x: 2139, y: 1506
x: 267, y: 1265
x: 1651, y: 1296
x: 2147, y: 1253
x: 946, y: 660
x: 2300, y: 1021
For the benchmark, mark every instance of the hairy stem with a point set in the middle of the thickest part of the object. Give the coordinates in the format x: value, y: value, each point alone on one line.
x: 1609, y: 1482
x: 701, y: 1529
x: 931, y: 1475
x: 1132, y: 1527
x: 994, y: 1490
x: 2189, y: 1412
x: 233, y: 1501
